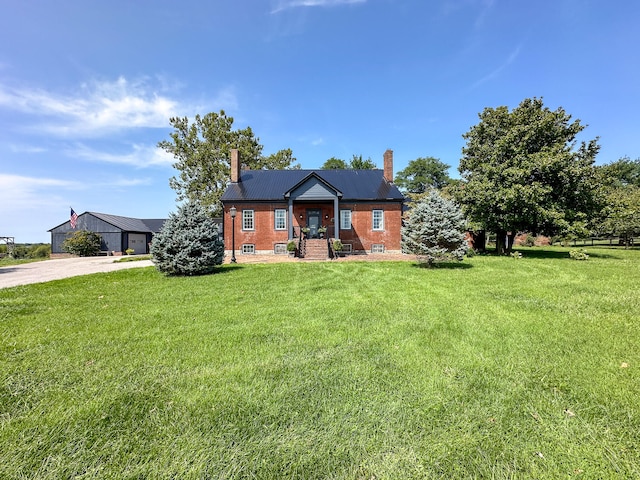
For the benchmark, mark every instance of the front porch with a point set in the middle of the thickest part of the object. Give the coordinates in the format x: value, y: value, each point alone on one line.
x: 314, y: 208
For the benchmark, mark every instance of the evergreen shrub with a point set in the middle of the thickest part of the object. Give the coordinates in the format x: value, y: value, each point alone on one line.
x: 188, y: 243
x: 434, y: 230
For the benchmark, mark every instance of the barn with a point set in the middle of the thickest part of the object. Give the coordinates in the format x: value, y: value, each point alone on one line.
x: 118, y: 233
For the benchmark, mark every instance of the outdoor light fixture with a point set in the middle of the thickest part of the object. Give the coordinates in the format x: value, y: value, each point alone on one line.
x: 232, y: 212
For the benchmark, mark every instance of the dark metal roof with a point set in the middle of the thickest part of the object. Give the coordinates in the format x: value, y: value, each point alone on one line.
x: 154, y: 224
x: 271, y: 185
x: 130, y: 224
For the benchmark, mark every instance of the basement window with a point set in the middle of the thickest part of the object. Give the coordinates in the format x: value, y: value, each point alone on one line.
x: 280, y: 249
x: 248, y: 248
x: 377, y: 248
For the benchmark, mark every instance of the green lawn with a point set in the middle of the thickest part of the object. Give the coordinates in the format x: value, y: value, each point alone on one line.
x: 494, y: 368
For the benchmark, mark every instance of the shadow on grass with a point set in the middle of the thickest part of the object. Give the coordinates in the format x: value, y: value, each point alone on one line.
x: 542, y: 254
x: 219, y: 270
x: 443, y: 266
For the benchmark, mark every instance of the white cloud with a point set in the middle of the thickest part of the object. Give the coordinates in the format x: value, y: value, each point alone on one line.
x: 22, y: 190
x: 497, y: 71
x: 35, y: 192
x: 17, y: 148
x: 140, y: 156
x: 287, y: 4
x: 102, y: 107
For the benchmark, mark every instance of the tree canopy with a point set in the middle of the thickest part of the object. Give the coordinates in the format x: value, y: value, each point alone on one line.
x: 621, y: 213
x: 522, y: 170
x: 334, y: 163
x: 622, y: 172
x: 202, y: 150
x: 356, y: 163
x: 422, y: 174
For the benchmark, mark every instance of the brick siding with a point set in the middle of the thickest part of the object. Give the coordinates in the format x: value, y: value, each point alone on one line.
x: 264, y: 236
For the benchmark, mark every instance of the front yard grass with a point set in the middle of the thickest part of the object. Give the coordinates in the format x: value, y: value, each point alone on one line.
x: 495, y: 368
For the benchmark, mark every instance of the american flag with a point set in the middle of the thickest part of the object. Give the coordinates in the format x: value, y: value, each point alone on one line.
x: 74, y: 219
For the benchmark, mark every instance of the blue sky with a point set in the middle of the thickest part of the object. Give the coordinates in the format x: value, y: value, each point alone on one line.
x: 87, y: 88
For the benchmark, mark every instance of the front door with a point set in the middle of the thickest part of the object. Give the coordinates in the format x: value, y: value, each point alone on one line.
x: 313, y: 221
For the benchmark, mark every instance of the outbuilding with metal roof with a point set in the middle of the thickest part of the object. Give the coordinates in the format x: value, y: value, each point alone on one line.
x: 117, y: 233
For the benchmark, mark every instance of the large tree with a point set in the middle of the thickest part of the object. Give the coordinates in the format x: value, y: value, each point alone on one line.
x: 621, y: 173
x: 334, y: 163
x: 202, y: 150
x: 522, y: 170
x: 621, y: 214
x: 356, y: 163
x: 422, y: 174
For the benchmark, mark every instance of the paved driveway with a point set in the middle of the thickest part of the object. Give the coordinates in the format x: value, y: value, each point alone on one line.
x: 48, y: 270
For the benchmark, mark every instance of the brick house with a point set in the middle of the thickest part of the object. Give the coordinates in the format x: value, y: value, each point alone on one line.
x: 361, y: 208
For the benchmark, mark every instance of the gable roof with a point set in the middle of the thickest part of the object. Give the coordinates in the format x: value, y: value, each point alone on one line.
x: 127, y: 224
x: 123, y: 223
x: 310, y: 177
x: 272, y: 185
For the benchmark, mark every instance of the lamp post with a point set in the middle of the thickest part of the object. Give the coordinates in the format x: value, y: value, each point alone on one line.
x: 232, y: 212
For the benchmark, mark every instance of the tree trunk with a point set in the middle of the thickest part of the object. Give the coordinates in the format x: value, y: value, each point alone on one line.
x: 501, y: 236
x: 511, y: 237
x: 479, y: 240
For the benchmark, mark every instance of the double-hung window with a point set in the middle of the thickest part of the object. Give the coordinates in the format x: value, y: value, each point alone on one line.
x: 378, y: 220
x: 280, y: 219
x: 345, y: 219
x: 248, y: 220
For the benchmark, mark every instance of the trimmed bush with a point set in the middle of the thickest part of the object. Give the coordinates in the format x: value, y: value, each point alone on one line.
x: 83, y: 243
x: 188, y: 243
x: 579, y: 254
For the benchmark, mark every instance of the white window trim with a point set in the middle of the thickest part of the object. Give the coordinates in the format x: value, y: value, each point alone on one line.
x: 248, y: 249
x: 373, y: 220
x: 342, y: 227
x: 245, y: 217
x: 284, y: 218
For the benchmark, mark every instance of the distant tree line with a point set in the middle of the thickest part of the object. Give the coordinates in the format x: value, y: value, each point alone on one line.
x: 27, y: 250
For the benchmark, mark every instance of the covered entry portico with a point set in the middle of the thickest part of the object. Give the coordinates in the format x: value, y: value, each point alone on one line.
x: 310, y: 199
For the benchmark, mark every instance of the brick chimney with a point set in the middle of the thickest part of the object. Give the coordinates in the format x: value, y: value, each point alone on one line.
x: 388, y: 165
x: 235, y: 165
